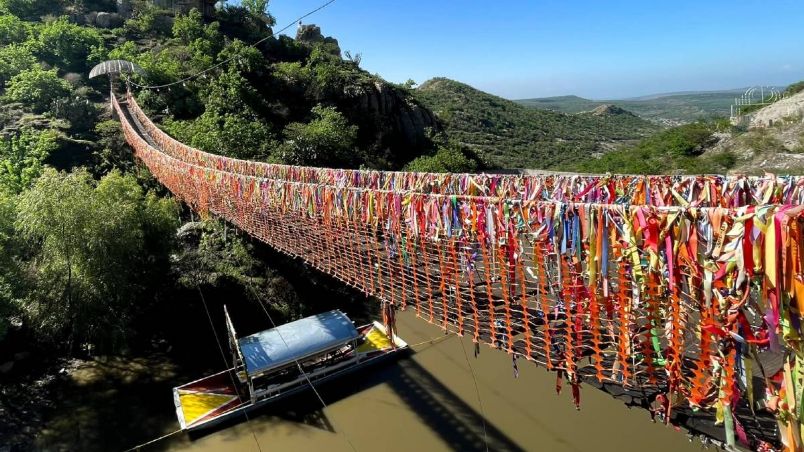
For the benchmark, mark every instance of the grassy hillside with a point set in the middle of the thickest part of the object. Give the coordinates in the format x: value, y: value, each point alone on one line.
x: 509, y: 135
x: 663, y: 108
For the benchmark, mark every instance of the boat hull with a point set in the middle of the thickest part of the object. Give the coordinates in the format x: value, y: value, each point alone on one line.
x: 226, y: 403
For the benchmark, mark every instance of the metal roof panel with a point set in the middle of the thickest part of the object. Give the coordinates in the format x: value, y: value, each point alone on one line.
x: 282, y: 345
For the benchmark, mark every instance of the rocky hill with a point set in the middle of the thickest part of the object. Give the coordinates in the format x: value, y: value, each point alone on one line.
x: 774, y: 140
x: 509, y: 135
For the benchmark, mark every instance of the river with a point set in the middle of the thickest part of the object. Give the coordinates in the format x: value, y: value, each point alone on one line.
x: 425, y: 402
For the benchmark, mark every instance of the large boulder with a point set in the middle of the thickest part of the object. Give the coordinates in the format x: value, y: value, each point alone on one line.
x: 108, y: 20
x: 90, y: 18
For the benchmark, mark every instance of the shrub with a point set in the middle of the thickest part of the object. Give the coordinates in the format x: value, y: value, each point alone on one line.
x: 228, y: 134
x: 68, y: 45
x: 327, y: 140
x: 448, y: 159
x: 14, y: 58
x: 36, y: 88
x: 12, y: 30
x: 22, y: 158
x: 669, y: 150
x: 795, y: 88
x: 29, y: 9
x: 90, y: 274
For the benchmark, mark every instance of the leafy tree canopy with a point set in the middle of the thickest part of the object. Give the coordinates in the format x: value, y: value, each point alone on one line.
x: 327, y: 140
x: 12, y: 29
x: 68, y: 45
x: 96, y: 245
x: 22, y: 158
x: 36, y: 88
x: 448, y: 159
x: 14, y: 58
x: 29, y: 9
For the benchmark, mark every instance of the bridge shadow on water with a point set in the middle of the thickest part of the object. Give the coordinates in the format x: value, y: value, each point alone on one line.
x: 448, y: 416
x: 457, y: 423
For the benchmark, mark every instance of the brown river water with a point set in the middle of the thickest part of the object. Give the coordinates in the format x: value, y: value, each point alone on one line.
x: 425, y: 402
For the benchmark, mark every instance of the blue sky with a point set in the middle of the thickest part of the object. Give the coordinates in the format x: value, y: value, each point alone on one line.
x: 597, y: 49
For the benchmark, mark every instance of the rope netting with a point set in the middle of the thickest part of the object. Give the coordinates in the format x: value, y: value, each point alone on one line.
x: 688, y: 305
x: 682, y: 190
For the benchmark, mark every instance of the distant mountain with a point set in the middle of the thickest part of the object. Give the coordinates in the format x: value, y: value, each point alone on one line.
x: 509, y: 135
x: 668, y: 109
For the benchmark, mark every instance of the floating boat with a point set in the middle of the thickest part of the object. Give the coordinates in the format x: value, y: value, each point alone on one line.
x: 278, y: 362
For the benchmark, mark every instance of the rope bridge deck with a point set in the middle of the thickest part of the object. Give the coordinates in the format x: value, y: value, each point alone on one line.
x: 678, y: 293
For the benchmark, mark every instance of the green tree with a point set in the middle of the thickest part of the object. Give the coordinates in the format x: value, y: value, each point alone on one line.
x: 12, y: 30
x: 36, y: 88
x: 327, y: 140
x: 229, y: 124
x: 98, y: 246
x: 22, y: 158
x: 203, y: 41
x: 28, y: 9
x: 448, y: 159
x: 231, y: 134
x: 68, y: 45
x: 190, y: 27
x: 14, y: 58
x: 259, y: 9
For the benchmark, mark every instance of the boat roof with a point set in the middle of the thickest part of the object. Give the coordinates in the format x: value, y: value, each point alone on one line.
x: 309, y: 336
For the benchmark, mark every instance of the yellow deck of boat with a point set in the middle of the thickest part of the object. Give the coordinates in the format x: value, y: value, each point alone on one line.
x: 195, y: 405
x: 375, y: 340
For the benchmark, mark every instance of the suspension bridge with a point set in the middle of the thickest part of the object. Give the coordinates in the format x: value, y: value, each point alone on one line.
x: 682, y: 292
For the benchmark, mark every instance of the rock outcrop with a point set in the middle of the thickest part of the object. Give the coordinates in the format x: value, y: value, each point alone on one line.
x: 108, y: 20
x: 388, y: 116
x: 311, y: 34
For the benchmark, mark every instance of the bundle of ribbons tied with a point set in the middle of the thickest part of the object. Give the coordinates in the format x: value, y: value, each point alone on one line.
x: 690, y: 288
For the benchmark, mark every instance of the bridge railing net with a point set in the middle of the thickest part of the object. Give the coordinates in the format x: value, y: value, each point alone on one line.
x: 673, y: 300
x: 698, y: 191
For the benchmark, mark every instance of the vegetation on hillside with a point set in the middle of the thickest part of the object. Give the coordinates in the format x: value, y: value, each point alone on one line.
x: 670, y: 109
x: 508, y: 135
x: 676, y: 150
x: 89, y: 240
x: 97, y: 258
